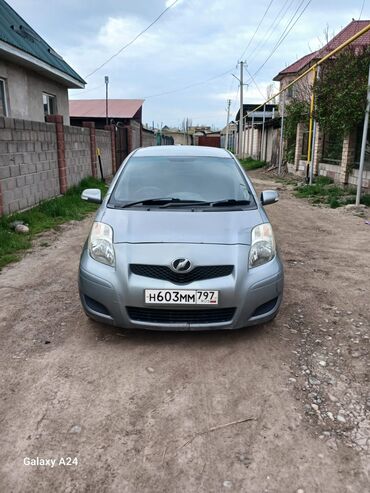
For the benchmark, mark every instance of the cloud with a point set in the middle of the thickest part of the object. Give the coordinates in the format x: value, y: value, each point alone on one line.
x: 195, y: 41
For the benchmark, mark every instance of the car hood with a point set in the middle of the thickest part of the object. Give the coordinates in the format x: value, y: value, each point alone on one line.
x: 221, y: 227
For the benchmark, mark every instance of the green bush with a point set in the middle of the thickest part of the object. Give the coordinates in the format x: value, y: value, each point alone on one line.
x: 48, y: 214
x: 250, y: 164
x: 324, y: 191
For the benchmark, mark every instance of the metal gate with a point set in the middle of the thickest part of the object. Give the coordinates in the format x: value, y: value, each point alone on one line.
x: 210, y: 141
x: 122, y: 149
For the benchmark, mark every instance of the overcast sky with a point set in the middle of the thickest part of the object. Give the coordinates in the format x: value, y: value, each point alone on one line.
x: 196, y: 40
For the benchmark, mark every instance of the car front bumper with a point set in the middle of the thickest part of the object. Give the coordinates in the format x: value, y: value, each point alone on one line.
x: 115, y: 296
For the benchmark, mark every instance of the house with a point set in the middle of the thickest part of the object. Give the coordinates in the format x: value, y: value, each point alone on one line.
x: 288, y: 74
x: 231, y: 130
x: 122, y: 111
x: 179, y: 137
x: 125, y: 114
x: 255, y: 136
x: 34, y: 78
x: 336, y: 158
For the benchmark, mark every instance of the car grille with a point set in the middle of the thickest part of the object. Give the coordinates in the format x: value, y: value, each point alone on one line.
x: 197, y: 274
x: 170, y: 316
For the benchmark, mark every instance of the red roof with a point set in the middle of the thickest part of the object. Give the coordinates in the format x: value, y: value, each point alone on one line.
x: 95, y: 108
x: 297, y: 66
x: 345, y: 34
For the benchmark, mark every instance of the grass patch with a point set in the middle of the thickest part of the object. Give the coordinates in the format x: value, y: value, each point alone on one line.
x: 324, y: 191
x: 47, y: 215
x: 250, y: 164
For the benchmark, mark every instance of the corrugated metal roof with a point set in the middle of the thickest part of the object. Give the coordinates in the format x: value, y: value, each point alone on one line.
x: 16, y: 32
x: 95, y: 108
x: 345, y: 34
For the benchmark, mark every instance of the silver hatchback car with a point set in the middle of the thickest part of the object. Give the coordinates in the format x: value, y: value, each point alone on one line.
x: 181, y: 242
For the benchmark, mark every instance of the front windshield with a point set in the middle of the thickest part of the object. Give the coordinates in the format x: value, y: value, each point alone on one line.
x: 186, y: 178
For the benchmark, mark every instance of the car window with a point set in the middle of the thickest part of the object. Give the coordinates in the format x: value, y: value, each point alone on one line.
x: 185, y: 178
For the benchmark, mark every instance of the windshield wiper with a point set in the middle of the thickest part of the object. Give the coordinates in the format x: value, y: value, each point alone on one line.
x: 164, y: 202
x: 184, y: 202
x: 218, y: 203
x: 230, y: 202
x: 161, y: 201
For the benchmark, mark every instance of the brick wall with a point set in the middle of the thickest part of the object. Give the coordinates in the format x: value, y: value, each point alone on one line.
x: 298, y: 145
x: 39, y: 160
x: 103, y: 142
x: 342, y: 173
x: 77, y: 153
x: 28, y: 163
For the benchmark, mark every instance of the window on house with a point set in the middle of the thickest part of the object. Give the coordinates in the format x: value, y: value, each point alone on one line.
x: 332, y: 149
x: 50, y: 104
x: 290, y: 92
x: 304, y: 154
x: 3, y: 108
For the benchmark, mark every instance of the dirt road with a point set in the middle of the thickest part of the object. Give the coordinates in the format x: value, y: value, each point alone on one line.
x: 138, y: 409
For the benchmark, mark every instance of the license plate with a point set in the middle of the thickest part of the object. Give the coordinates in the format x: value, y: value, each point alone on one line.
x: 181, y: 296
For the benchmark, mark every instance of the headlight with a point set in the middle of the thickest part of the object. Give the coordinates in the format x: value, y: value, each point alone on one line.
x: 263, y: 245
x: 101, y: 244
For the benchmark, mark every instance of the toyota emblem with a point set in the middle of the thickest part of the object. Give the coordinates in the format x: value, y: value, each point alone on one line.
x: 181, y: 265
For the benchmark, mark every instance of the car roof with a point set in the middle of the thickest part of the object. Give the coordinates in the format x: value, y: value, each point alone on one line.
x: 180, y: 150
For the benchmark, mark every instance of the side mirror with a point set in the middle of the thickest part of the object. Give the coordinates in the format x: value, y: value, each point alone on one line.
x: 269, y: 197
x: 92, y: 195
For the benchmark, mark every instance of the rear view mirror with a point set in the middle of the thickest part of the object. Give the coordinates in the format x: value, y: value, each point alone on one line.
x: 269, y: 197
x: 92, y: 195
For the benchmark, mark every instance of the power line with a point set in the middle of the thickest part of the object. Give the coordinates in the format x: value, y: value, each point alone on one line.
x: 279, y: 16
x: 255, y: 83
x: 362, y: 8
x: 89, y: 89
x: 184, y: 88
x: 133, y: 40
x: 257, y: 28
x: 284, y: 34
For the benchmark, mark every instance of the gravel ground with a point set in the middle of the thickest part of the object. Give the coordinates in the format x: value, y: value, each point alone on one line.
x: 278, y: 408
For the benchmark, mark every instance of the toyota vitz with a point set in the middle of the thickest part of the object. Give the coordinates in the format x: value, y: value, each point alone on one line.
x: 181, y: 242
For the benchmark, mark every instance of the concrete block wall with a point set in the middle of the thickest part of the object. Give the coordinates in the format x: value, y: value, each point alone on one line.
x: 39, y: 161
x: 77, y: 153
x: 103, y: 142
x: 28, y: 163
x: 353, y: 178
x: 149, y: 138
x: 331, y: 171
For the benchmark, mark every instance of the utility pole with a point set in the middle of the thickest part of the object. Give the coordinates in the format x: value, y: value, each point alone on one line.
x: 262, y: 148
x: 363, y: 144
x: 106, y: 80
x: 227, y: 124
x: 241, y: 116
x: 251, y: 154
x: 281, y: 148
x: 314, y: 131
